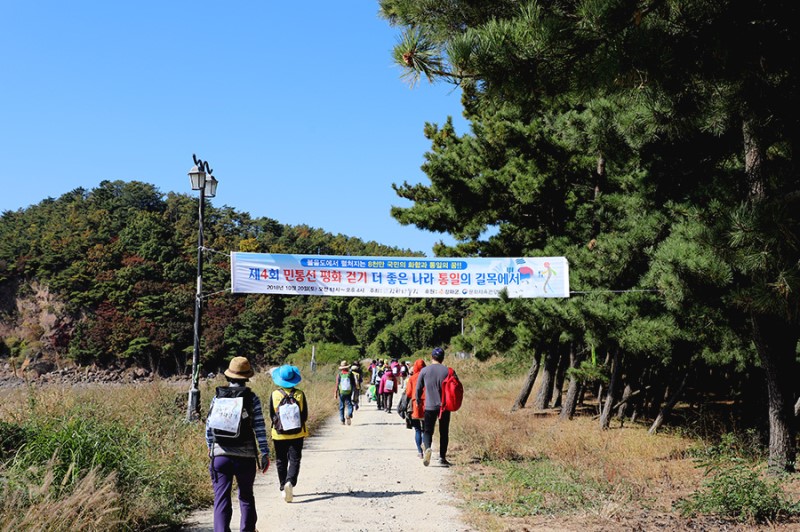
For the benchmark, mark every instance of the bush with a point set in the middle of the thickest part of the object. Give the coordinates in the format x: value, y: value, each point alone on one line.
x: 326, y: 353
x: 734, y: 489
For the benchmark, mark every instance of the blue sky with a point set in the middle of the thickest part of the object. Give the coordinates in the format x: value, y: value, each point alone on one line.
x: 297, y: 107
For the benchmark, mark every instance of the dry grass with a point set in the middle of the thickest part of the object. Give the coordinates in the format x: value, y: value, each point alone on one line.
x: 527, y: 466
x: 92, y: 505
x: 175, y: 452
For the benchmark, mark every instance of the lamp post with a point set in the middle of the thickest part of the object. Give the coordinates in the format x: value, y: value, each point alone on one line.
x: 202, y: 180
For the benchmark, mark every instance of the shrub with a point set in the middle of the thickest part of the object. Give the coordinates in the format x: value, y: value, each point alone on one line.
x: 326, y: 353
x: 734, y: 489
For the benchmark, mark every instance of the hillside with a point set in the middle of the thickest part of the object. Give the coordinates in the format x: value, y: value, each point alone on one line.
x: 106, y: 278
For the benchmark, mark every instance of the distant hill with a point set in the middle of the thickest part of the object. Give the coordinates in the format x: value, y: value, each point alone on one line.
x: 107, y: 277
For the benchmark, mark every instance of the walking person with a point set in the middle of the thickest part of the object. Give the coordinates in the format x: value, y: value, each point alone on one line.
x: 345, y: 386
x: 380, y: 370
x: 355, y: 370
x: 417, y: 407
x: 236, y: 435
x: 429, y: 383
x: 288, y: 409
x: 387, y: 389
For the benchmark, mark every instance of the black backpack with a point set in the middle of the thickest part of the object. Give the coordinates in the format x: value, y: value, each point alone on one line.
x: 287, y: 399
x: 245, y: 433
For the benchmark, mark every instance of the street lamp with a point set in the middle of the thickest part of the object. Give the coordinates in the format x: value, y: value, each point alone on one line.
x: 202, y: 180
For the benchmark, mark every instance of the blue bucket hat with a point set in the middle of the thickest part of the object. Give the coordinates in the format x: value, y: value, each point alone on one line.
x: 286, y: 376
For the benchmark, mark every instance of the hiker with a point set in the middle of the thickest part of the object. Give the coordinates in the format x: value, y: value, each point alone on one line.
x: 355, y: 370
x: 288, y: 409
x: 417, y: 407
x: 403, y: 372
x: 234, y: 452
x: 429, y: 382
x: 387, y: 389
x: 381, y: 369
x: 345, y: 386
x: 373, y: 370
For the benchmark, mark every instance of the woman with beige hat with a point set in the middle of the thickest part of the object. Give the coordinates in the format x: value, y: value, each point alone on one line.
x: 235, y: 434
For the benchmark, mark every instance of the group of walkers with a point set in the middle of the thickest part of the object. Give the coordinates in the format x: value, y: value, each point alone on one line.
x: 422, y: 386
x: 236, y: 430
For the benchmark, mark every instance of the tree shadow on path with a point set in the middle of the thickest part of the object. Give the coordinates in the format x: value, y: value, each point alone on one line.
x: 315, y: 497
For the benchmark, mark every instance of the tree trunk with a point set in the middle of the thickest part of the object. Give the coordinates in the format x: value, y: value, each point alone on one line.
x: 527, y: 386
x: 622, y: 407
x: 775, y: 337
x: 667, y: 408
x: 797, y: 408
x: 775, y: 341
x: 571, y: 400
x: 548, y: 375
x: 564, y: 361
x: 605, y: 417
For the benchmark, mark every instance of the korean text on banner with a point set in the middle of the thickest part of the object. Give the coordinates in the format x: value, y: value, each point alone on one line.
x: 326, y: 275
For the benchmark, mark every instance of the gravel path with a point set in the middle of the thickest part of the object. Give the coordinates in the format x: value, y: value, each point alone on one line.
x: 362, y: 477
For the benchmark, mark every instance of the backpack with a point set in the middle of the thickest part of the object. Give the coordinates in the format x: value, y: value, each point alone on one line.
x: 231, y: 418
x: 345, y: 384
x: 388, y: 385
x: 287, y: 416
x: 452, y: 392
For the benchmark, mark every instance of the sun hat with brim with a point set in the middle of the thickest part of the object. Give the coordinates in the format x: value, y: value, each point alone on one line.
x: 286, y: 376
x: 344, y: 365
x: 239, y: 368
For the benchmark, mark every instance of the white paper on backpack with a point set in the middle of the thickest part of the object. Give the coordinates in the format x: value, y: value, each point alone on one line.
x: 290, y: 416
x: 388, y: 386
x: 226, y: 414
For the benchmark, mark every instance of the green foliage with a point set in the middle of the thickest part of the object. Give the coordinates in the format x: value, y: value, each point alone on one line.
x: 325, y: 354
x: 124, y: 265
x: 734, y: 489
x: 539, y: 487
x: 80, y: 442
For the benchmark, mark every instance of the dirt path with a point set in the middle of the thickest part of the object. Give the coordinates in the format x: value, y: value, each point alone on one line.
x: 365, y: 476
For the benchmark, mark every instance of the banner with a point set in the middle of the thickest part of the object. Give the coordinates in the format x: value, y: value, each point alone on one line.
x: 324, y: 275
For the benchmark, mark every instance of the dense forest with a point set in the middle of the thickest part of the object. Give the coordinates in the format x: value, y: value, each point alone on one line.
x: 651, y: 143
x: 107, y: 277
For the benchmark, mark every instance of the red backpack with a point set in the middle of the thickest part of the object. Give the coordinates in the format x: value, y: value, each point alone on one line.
x: 452, y: 392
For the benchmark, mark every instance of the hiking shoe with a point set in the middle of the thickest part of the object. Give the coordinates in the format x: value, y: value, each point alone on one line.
x: 426, y: 457
x: 287, y: 492
x: 419, y: 455
x: 348, y: 420
x: 342, y: 422
x: 444, y: 463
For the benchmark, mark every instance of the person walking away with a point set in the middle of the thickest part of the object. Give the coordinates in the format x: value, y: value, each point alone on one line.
x: 355, y: 370
x: 403, y: 373
x: 288, y: 410
x: 388, y: 388
x: 236, y: 435
x: 345, y: 385
x: 378, y: 376
x: 430, y: 383
x: 417, y: 407
x: 373, y: 372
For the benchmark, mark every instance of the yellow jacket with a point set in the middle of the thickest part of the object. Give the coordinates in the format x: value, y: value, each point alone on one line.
x: 300, y: 397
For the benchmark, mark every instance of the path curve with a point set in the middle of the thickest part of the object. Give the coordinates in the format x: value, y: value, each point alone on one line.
x: 362, y: 477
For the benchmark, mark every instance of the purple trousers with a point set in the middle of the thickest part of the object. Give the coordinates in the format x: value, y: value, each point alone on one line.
x: 223, y: 469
